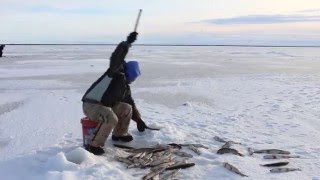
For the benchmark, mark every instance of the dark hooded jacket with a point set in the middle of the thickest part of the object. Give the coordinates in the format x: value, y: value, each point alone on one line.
x: 112, y: 86
x: 107, y: 90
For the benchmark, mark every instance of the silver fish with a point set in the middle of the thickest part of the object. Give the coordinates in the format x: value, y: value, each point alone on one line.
x: 251, y: 151
x: 175, y: 146
x: 138, y: 155
x: 272, y: 151
x: 135, y: 160
x: 134, y: 165
x: 122, y: 153
x: 228, y: 150
x: 163, y: 165
x: 278, y: 156
x: 170, y: 175
x: 156, y: 158
x: 200, y: 146
x: 156, y: 177
x: 278, y: 170
x: 160, y: 161
x: 153, y: 173
x: 194, y: 149
x: 148, y: 156
x: 125, y: 160
x: 195, y: 145
x: 167, y: 152
x: 143, y: 155
x: 219, y: 139
x: 228, y: 144
x: 180, y: 165
x: 158, y: 154
x: 233, y: 169
x: 275, y: 164
x: 149, y: 150
x: 183, y: 154
x: 143, y: 162
x: 146, y: 163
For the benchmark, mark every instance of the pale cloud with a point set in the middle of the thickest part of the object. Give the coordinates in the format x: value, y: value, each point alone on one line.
x: 264, y: 19
x: 309, y: 11
x: 162, y: 21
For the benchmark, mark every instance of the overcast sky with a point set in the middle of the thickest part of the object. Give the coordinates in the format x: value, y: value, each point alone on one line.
x: 264, y: 22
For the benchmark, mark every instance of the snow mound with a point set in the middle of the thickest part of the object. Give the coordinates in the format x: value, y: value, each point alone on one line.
x: 60, y: 163
x: 79, y: 155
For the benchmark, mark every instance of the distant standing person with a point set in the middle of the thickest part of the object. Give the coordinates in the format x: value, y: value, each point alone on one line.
x: 1, y: 49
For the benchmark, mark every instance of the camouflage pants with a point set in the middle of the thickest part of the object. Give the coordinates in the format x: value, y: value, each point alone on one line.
x: 117, y: 118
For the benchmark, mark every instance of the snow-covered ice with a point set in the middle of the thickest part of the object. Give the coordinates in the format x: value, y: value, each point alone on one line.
x: 263, y: 97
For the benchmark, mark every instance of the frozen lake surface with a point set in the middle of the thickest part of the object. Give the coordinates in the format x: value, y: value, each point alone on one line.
x: 263, y: 97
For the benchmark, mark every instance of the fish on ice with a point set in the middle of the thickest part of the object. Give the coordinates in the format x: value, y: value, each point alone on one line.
x: 233, y: 169
x: 275, y: 164
x: 272, y: 151
x: 229, y: 150
x: 279, y: 156
x: 279, y: 170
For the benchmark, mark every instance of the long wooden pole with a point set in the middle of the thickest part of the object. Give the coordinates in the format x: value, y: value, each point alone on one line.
x: 137, y: 21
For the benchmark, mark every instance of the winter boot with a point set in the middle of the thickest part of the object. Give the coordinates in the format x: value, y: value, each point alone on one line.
x: 95, y: 150
x: 125, y: 138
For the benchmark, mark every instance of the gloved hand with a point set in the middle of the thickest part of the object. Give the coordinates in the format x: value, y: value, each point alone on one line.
x: 132, y: 37
x: 141, y: 126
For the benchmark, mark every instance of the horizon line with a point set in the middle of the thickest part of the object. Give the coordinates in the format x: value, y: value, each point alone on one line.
x: 112, y: 44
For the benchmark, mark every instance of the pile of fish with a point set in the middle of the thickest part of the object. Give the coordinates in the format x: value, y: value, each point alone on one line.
x: 164, y: 161
x: 270, y: 154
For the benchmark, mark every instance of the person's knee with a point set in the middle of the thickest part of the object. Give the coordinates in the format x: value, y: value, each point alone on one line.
x: 108, y: 116
x: 112, y: 119
x: 129, y: 113
x: 125, y: 110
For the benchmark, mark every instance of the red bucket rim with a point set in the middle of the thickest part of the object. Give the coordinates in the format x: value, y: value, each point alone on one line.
x: 87, y: 122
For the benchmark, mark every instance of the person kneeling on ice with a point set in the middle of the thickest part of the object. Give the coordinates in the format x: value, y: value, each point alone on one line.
x: 104, y: 102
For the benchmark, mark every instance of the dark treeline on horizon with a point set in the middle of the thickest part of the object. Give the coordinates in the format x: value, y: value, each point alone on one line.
x: 101, y: 44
